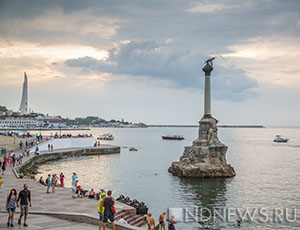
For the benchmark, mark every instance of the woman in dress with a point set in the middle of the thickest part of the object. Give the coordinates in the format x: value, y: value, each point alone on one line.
x: 11, y: 203
x: 62, y: 178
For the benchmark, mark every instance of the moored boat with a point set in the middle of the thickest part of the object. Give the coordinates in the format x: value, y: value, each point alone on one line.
x: 278, y: 138
x: 106, y: 136
x: 173, y: 137
x: 133, y: 149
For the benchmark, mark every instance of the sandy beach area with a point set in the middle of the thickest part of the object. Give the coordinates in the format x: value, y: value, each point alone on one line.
x: 12, y: 143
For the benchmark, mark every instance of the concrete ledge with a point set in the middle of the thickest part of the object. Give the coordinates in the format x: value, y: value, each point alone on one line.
x: 82, y: 218
x: 63, y: 153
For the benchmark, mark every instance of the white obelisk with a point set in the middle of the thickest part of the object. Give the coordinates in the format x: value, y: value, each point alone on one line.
x: 24, y: 101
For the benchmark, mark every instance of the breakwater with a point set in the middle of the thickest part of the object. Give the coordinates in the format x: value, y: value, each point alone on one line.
x: 27, y: 167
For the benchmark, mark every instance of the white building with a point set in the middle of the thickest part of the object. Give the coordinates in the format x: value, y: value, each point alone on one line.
x: 18, y: 122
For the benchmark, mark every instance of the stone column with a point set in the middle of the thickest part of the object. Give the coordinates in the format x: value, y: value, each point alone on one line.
x: 207, y: 98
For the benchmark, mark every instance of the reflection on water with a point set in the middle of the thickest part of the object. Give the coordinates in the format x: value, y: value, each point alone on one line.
x: 206, y: 194
x: 267, y: 173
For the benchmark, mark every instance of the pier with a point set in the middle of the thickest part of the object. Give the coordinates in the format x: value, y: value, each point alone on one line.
x: 61, y: 204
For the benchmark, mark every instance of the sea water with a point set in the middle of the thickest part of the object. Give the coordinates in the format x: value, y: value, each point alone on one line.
x: 267, y: 181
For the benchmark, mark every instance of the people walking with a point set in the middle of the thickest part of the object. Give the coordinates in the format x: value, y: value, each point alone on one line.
x: 48, y: 183
x: 74, y: 177
x: 53, y: 179
x: 109, y: 210
x: 11, y: 203
x: 151, y: 222
x: 62, y: 179
x: 5, y: 160
x: 51, y: 148
x: 1, y: 180
x: 74, y: 188
x: 101, y: 210
x: 3, y: 167
x: 162, y: 225
x: 48, y: 147
x: 24, y: 198
x: 171, y: 223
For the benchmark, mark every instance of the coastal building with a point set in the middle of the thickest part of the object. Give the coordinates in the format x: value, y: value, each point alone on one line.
x: 24, y: 101
x: 55, y: 122
x: 33, y: 122
x: 18, y: 122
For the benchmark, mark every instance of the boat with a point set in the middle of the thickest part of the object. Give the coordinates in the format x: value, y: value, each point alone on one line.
x: 106, y: 137
x: 133, y: 149
x: 173, y: 137
x: 278, y: 138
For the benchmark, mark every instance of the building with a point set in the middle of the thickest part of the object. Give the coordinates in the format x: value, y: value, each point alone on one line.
x: 18, y: 122
x: 55, y: 122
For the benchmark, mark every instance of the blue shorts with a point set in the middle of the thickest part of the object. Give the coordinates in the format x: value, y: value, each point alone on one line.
x: 108, y: 215
x: 101, y: 216
x: 11, y: 209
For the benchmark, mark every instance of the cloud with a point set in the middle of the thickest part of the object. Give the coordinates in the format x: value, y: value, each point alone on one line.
x: 202, y: 7
x: 271, y: 59
x: 56, y: 20
x: 21, y: 49
x: 175, y: 67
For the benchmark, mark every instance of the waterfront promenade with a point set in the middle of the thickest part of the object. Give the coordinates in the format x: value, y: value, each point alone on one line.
x: 59, y: 204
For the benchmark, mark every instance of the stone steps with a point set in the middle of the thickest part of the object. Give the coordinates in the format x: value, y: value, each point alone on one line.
x: 134, y: 220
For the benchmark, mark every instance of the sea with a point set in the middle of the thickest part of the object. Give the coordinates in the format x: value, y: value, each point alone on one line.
x: 264, y: 194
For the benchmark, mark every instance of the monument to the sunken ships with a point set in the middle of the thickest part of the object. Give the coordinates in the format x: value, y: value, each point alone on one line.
x: 207, y: 156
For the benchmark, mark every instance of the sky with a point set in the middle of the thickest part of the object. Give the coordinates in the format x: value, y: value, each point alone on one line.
x: 142, y: 60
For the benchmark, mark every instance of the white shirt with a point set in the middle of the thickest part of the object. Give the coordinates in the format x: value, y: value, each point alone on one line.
x: 123, y: 221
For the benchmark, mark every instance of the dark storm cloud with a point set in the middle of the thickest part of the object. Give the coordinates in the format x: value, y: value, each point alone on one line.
x: 181, y: 68
x: 156, y: 20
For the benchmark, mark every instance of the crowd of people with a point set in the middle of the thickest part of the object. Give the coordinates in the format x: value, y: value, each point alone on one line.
x: 16, y: 134
x: 9, y: 158
x: 52, y: 181
x: 71, y: 135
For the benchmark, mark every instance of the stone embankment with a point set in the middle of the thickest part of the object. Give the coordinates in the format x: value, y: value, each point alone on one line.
x: 30, y: 165
x: 61, y: 204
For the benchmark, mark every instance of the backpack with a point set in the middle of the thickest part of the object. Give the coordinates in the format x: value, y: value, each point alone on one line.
x: 47, y: 180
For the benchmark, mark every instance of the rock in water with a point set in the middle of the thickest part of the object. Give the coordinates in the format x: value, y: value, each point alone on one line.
x: 206, y: 157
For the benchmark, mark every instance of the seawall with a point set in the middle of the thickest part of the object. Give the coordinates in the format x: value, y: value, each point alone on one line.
x: 27, y: 166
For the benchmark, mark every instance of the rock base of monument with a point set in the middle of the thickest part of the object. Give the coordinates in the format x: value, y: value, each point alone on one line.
x: 206, y: 157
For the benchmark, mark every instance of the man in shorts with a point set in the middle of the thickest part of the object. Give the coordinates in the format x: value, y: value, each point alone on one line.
x: 25, y: 198
x: 162, y: 221
x: 101, y: 210
x: 109, y: 210
x: 48, y: 183
x: 151, y: 222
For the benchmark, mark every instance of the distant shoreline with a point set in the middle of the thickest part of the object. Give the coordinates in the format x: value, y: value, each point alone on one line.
x: 219, y: 126
x: 37, y: 129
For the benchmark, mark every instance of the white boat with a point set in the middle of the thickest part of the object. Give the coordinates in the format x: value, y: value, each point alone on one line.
x: 106, y: 136
x: 278, y: 138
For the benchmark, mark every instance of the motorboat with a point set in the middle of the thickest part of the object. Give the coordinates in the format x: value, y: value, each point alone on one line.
x: 278, y: 138
x: 133, y: 149
x: 173, y: 137
x: 106, y: 137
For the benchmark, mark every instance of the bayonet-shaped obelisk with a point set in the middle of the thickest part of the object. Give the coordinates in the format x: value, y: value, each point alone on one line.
x: 24, y: 101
